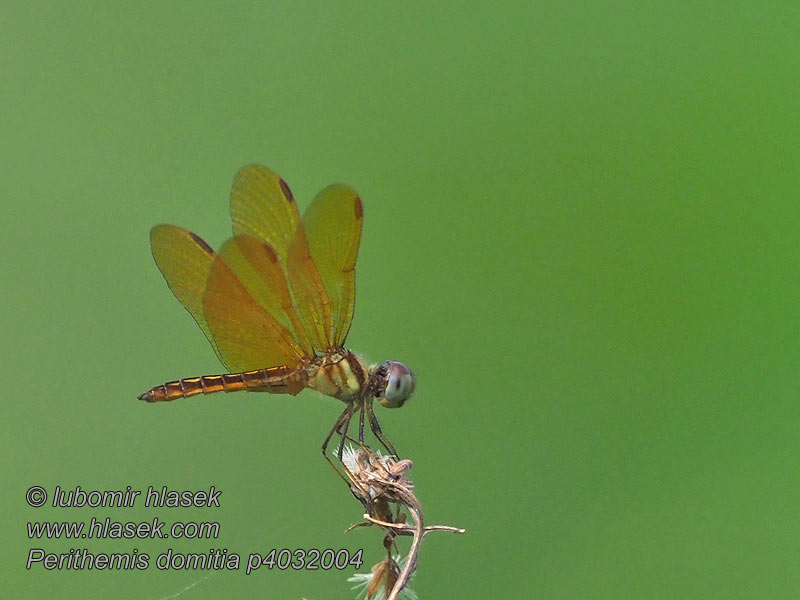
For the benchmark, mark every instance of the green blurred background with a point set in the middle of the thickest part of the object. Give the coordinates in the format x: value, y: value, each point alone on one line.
x: 581, y: 232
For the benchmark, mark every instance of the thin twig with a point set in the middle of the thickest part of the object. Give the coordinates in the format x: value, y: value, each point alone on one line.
x: 405, y: 526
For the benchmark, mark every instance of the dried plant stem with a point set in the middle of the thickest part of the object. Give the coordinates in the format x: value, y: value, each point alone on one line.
x: 411, y: 561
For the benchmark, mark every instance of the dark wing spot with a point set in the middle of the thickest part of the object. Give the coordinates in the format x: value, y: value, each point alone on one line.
x: 270, y: 253
x: 359, y: 208
x: 286, y: 191
x: 201, y: 243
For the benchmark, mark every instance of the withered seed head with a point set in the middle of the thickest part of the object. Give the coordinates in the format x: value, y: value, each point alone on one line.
x: 376, y: 477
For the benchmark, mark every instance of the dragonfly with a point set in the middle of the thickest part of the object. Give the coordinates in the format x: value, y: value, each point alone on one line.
x: 276, y: 302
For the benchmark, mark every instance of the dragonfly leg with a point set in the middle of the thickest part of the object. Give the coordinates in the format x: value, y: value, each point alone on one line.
x: 340, y: 427
x: 344, y: 426
x: 361, y: 426
x: 376, y: 429
x: 346, y: 413
x: 334, y: 430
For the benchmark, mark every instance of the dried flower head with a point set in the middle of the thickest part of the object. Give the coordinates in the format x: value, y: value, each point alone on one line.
x: 374, y: 475
x: 380, y: 484
x: 378, y: 584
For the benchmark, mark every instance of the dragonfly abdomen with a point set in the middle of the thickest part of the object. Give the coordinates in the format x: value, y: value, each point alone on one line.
x: 277, y: 380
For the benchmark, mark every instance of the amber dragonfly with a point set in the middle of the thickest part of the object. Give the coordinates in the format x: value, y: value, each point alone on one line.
x: 276, y: 301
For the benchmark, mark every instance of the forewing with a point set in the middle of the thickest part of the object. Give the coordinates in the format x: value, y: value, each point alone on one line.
x: 333, y: 227
x: 262, y: 206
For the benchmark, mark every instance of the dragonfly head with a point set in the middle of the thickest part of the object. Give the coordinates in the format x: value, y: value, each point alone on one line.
x: 394, y: 383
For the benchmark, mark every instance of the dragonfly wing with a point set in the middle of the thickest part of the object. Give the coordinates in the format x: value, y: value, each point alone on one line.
x: 184, y: 260
x: 333, y: 227
x: 309, y: 293
x: 262, y: 207
x: 257, y: 267
x: 247, y: 336
x: 243, y: 334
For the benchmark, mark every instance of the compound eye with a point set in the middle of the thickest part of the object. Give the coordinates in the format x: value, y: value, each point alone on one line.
x: 399, y: 386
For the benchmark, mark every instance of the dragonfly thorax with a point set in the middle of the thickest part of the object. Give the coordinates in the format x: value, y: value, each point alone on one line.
x: 341, y: 375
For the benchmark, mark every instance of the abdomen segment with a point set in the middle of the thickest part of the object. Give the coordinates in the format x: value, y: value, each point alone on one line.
x: 276, y: 380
